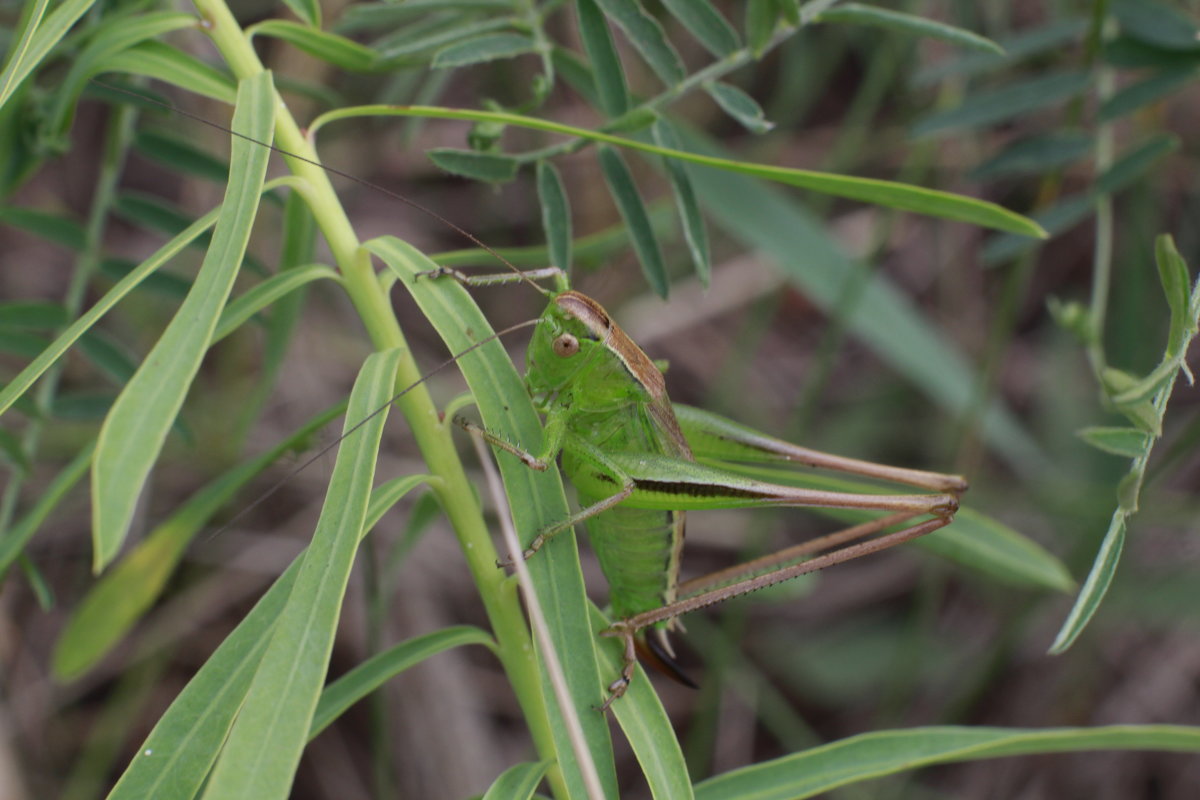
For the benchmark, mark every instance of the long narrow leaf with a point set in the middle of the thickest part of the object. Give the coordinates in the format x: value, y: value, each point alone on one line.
x: 629, y: 202
x: 874, y: 755
x: 136, y: 428
x: 260, y: 758
x: 902, y: 196
x: 382, y: 667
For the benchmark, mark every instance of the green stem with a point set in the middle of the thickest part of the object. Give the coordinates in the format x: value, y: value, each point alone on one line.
x: 432, y: 437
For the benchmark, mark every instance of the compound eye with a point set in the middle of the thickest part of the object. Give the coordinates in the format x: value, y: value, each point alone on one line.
x: 566, y: 345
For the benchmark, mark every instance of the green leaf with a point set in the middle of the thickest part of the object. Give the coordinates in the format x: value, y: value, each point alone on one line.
x: 761, y: 18
x: 625, y: 194
x: 1175, y: 279
x: 1128, y: 442
x: 1157, y: 24
x: 739, y: 105
x: 647, y: 37
x: 124, y: 594
x: 535, y: 498
x: 887, y: 193
x: 984, y: 108
x: 873, y: 755
x: 266, y: 740
x: 556, y: 214
x: 115, y: 34
x: 857, y: 14
x: 52, y: 227
x: 39, y: 37
x: 1145, y: 92
x: 1099, y: 578
x: 173, y: 762
x: 694, y: 230
x: 382, y: 667
x: 163, y: 62
x: 1143, y: 389
x: 705, y: 23
x: 517, y: 782
x: 602, y: 54
x: 135, y: 430
x: 328, y: 47
x: 489, y: 167
x: 1034, y: 155
x: 982, y: 543
x: 266, y: 293
x: 481, y: 49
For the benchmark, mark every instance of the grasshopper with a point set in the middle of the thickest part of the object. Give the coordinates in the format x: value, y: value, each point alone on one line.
x: 631, y: 455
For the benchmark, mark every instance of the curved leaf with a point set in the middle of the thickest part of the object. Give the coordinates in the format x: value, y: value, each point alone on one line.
x: 705, y: 23
x: 873, y: 755
x: 382, y: 667
x: 329, y: 47
x: 905, y: 197
x: 266, y: 293
x: 518, y: 782
x: 629, y: 202
x: 136, y: 428
x: 647, y: 36
x: 858, y: 14
x: 602, y: 54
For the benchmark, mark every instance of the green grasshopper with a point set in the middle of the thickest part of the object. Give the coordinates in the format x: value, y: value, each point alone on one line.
x: 631, y: 455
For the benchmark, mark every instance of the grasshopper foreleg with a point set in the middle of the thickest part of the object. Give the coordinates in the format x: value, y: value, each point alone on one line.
x: 527, y: 458
x: 533, y: 462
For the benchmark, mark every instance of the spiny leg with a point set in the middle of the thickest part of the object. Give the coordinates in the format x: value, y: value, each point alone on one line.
x: 628, y: 629
x: 847, y: 553
x: 788, y: 554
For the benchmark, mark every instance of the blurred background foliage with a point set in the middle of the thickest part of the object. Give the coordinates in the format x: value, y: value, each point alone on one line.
x: 859, y: 330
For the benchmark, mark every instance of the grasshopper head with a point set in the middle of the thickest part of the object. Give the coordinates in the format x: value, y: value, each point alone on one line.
x: 571, y: 331
x: 576, y: 333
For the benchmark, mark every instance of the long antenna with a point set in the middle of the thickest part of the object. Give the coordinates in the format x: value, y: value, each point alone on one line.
x: 279, y: 484
x: 334, y: 170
